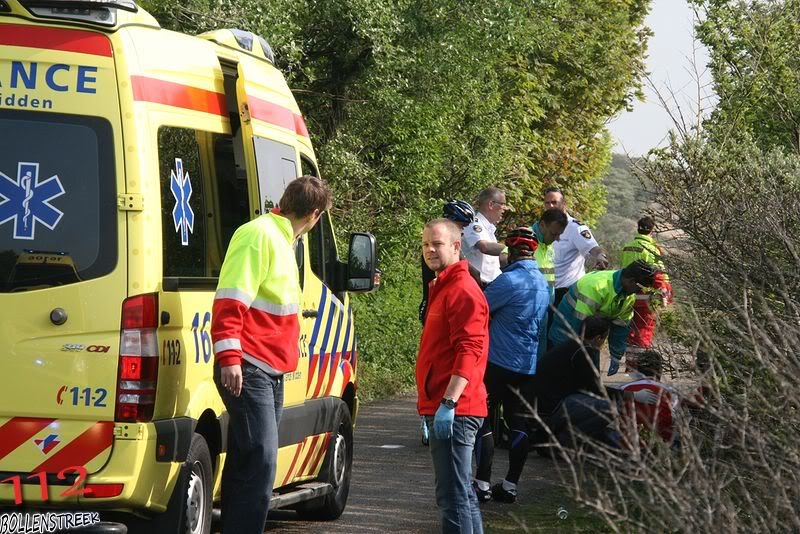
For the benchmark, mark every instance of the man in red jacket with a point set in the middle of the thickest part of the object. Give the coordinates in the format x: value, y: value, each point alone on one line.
x: 452, y: 359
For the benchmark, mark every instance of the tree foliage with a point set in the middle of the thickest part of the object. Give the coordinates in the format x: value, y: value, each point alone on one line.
x: 732, y: 190
x: 756, y: 67
x: 413, y: 102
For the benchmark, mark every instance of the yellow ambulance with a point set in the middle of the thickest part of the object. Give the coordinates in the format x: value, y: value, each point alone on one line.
x: 129, y: 154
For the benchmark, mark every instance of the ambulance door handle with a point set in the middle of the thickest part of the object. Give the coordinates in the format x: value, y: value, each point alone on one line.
x: 308, y: 314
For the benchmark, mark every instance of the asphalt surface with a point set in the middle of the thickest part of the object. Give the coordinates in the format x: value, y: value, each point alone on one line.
x: 392, y: 484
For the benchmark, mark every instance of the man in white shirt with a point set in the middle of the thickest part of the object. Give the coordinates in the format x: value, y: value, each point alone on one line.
x: 480, y: 244
x: 574, y: 247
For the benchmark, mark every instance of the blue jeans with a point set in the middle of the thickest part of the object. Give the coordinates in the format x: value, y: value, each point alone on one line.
x: 252, y: 452
x: 452, y: 466
x: 586, y: 414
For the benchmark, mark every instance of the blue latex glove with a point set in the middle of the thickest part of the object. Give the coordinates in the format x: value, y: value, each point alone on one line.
x: 613, y: 366
x: 443, y: 422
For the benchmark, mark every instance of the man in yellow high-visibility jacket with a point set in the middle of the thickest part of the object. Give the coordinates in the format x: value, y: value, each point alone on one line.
x: 608, y: 294
x: 644, y: 247
x: 255, y: 329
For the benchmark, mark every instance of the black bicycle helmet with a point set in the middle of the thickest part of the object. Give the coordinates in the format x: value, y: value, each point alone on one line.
x: 459, y: 212
x: 523, y: 241
x: 641, y: 272
x: 645, y: 225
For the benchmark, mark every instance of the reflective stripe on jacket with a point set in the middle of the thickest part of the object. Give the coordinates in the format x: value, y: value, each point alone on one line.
x: 643, y: 247
x: 596, y: 294
x: 258, y: 298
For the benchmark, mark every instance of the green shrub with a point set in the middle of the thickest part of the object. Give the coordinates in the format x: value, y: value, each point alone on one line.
x: 389, y: 330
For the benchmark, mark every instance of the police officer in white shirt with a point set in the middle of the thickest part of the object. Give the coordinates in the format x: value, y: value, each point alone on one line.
x: 480, y: 244
x: 575, y: 246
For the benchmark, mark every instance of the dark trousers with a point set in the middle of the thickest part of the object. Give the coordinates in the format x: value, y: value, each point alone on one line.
x: 503, y: 388
x: 579, y: 413
x: 452, y: 466
x: 559, y: 294
x: 252, y: 451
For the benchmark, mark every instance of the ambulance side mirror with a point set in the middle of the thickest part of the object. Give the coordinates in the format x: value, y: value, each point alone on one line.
x: 362, y: 270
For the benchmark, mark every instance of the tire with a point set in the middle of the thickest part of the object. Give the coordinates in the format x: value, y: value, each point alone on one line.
x: 336, y: 470
x: 189, y: 508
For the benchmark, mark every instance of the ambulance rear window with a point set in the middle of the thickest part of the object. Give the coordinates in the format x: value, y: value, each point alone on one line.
x: 57, y: 200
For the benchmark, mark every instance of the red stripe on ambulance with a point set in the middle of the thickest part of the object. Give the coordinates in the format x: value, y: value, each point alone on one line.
x: 81, y: 450
x: 146, y: 89
x: 65, y: 40
x: 18, y: 430
x: 311, y: 447
x: 266, y: 111
x: 321, y: 454
x: 300, y: 447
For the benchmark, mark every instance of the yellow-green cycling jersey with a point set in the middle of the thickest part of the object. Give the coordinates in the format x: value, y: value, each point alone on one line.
x: 545, y: 258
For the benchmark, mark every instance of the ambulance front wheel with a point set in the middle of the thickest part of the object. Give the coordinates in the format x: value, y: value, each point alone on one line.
x: 189, y: 509
x: 336, y: 470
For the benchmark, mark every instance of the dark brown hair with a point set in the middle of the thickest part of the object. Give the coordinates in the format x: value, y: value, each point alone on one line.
x: 304, y: 195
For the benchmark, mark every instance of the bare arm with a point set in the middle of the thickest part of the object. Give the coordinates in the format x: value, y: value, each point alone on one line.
x: 455, y: 387
x: 489, y: 248
x: 599, y: 258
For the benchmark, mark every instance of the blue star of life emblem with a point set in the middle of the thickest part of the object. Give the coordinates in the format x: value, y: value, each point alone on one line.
x: 26, y: 200
x: 182, y: 214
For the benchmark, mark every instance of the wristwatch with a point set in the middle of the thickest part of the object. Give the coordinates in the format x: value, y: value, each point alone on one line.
x: 450, y: 403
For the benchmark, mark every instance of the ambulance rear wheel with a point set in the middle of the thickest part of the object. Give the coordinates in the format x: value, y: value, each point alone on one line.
x: 336, y: 470
x: 189, y: 509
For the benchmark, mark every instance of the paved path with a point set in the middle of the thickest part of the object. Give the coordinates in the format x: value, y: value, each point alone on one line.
x: 392, y: 486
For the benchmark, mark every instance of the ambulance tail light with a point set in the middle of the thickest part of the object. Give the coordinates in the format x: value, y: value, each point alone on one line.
x: 138, y: 359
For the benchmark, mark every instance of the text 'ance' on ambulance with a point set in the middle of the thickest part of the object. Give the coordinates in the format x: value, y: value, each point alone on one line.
x: 129, y: 154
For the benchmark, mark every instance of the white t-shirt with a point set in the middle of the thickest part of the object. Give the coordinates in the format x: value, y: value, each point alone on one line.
x: 572, y: 248
x: 481, y: 230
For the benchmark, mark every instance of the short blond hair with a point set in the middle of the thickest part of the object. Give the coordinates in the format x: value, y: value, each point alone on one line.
x: 453, y: 229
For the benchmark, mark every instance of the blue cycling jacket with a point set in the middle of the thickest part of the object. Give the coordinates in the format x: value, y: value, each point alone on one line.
x: 518, y: 301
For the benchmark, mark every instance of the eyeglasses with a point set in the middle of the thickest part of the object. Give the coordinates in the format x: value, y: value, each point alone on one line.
x: 502, y: 204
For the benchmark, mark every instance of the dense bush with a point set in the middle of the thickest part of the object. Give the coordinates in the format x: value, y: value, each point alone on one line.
x: 738, y: 468
x: 732, y: 191
x: 389, y: 328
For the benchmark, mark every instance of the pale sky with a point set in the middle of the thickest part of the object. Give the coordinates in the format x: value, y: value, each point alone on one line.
x: 673, y: 56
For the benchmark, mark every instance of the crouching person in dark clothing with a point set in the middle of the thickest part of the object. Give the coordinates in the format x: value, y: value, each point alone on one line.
x: 568, y: 390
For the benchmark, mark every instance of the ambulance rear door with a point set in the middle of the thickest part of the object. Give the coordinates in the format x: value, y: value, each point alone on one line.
x: 268, y: 115
x: 62, y: 242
